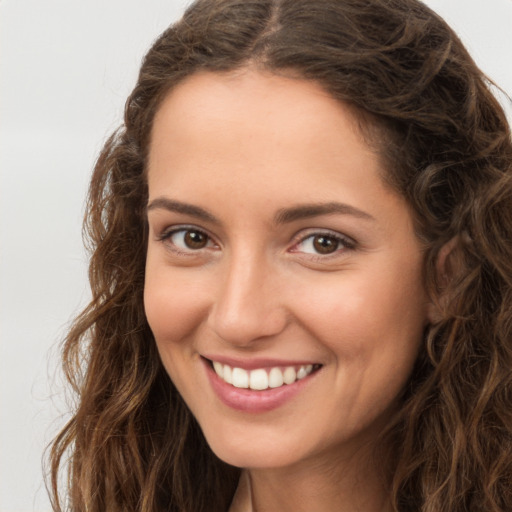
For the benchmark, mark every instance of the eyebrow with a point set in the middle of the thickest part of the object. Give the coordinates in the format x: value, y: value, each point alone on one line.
x: 305, y: 211
x: 283, y: 216
x: 172, y: 205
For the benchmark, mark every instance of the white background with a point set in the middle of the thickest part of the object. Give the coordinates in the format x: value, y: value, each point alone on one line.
x: 66, y: 68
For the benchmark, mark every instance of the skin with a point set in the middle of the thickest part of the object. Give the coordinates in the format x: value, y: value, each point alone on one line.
x: 243, y: 147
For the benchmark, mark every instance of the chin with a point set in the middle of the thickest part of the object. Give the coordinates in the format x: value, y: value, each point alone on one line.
x: 244, y: 452
x: 253, y: 458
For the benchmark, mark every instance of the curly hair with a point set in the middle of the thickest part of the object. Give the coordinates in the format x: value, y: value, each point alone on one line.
x: 132, y: 444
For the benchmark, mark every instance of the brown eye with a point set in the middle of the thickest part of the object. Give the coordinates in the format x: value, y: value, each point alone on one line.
x: 195, y: 239
x: 324, y: 244
x: 187, y: 239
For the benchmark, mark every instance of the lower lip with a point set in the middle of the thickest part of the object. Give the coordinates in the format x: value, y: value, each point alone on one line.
x: 248, y: 400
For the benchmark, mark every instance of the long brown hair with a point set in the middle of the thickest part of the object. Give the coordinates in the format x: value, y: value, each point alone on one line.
x: 132, y: 444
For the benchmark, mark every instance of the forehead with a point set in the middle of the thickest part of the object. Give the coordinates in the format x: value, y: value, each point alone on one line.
x: 229, y: 114
x: 263, y: 138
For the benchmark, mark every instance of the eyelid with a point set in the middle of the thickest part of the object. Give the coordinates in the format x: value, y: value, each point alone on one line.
x: 347, y: 242
x: 165, y: 234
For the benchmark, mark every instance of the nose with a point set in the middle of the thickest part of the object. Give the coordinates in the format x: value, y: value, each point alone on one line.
x: 248, y: 306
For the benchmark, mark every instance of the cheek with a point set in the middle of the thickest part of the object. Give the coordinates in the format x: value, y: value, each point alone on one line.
x: 373, y: 331
x: 370, y: 321
x: 172, y: 314
x: 375, y: 306
x: 173, y: 305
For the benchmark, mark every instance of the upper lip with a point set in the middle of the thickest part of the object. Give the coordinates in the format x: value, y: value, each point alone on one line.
x: 257, y: 362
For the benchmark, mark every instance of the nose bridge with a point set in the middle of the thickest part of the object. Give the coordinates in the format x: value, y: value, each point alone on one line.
x: 247, y: 306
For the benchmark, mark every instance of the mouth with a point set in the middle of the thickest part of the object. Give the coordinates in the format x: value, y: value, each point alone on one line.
x: 263, y: 378
x: 259, y: 385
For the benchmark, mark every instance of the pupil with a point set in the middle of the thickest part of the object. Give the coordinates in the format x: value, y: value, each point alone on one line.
x: 325, y: 244
x: 195, y: 240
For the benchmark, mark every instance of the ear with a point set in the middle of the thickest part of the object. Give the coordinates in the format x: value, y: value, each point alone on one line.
x: 447, y: 266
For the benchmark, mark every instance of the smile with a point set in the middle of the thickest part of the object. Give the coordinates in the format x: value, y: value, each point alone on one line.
x: 260, y: 379
x: 258, y: 386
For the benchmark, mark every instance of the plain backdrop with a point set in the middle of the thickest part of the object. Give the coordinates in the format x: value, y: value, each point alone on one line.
x: 66, y: 68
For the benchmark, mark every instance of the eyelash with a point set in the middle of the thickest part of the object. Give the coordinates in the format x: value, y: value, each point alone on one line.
x: 346, y: 243
x: 343, y: 242
x: 166, y: 236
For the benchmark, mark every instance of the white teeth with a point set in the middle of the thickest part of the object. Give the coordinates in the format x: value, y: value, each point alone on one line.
x: 275, y: 378
x: 304, y: 371
x: 218, y: 368
x: 227, y: 374
x: 240, y: 378
x: 289, y: 375
x: 260, y: 378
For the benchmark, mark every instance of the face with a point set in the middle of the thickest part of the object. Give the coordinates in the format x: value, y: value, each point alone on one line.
x: 283, y: 279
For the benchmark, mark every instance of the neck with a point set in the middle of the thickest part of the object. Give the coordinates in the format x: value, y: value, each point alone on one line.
x: 352, y: 485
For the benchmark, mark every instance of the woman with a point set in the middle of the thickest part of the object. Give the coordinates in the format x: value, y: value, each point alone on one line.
x: 301, y: 272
